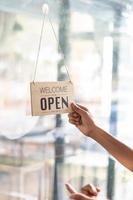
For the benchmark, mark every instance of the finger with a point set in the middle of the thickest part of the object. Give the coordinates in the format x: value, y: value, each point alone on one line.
x: 73, y: 114
x: 91, y: 189
x: 76, y: 115
x: 85, y: 192
x: 70, y: 188
x: 84, y: 108
x: 88, y: 193
x: 75, y: 119
x: 98, y: 189
x: 77, y: 109
x: 75, y: 122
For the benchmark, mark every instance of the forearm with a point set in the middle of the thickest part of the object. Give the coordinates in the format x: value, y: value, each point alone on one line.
x: 116, y: 148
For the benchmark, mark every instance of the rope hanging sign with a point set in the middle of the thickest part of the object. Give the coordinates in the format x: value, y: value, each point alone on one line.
x: 50, y: 97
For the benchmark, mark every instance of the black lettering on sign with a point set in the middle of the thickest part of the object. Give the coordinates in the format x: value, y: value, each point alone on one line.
x: 57, y: 89
x: 60, y: 103
x: 43, y: 104
x: 57, y: 99
x: 64, y: 102
x: 50, y: 102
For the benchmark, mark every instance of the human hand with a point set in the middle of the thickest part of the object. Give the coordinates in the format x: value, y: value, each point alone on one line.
x: 81, y: 118
x: 88, y: 192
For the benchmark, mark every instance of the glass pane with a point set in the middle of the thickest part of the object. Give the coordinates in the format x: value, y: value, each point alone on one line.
x: 38, y: 155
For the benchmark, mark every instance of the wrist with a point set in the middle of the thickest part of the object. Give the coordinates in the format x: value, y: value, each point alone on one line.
x: 92, y: 132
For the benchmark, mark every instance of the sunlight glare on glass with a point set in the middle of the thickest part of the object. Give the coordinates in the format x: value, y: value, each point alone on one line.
x: 15, y: 120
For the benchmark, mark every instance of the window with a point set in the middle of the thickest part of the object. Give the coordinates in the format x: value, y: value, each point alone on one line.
x: 39, y: 154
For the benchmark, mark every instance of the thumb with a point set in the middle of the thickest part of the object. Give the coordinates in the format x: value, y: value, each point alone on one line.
x: 77, y: 109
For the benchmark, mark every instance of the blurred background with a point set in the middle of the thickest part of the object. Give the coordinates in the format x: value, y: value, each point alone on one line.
x: 38, y: 155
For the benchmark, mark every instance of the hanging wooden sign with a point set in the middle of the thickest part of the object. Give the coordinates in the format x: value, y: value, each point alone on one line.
x: 51, y: 97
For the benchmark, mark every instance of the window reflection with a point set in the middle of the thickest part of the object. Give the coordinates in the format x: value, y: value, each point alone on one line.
x: 38, y: 155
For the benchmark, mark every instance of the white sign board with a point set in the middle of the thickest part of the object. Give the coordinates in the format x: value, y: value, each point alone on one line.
x: 51, y: 97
